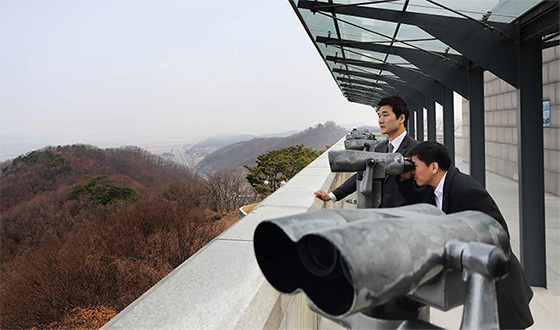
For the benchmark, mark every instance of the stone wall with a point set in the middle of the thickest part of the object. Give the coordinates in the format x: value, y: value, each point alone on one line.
x: 500, y: 107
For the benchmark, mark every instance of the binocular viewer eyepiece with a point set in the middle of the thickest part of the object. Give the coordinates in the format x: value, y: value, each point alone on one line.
x: 347, y: 261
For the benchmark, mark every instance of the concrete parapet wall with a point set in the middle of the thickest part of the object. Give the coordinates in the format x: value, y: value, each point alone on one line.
x: 500, y: 117
x: 222, y: 287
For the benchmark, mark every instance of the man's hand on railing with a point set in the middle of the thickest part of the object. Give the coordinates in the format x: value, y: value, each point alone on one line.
x: 322, y: 195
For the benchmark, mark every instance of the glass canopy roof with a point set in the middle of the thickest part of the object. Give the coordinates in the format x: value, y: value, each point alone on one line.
x: 346, y: 61
x: 504, y: 11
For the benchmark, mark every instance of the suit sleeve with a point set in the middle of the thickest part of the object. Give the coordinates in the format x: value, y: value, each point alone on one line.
x: 345, y: 189
x: 480, y: 200
x: 411, y: 193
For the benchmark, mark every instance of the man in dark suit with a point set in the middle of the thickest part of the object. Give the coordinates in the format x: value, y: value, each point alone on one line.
x: 452, y: 191
x: 393, y: 118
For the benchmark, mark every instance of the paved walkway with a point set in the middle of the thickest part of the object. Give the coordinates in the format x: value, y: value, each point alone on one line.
x: 545, y: 305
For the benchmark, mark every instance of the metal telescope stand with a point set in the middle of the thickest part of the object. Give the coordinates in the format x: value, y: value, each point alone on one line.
x: 482, y: 264
x: 474, y: 259
x: 369, y: 185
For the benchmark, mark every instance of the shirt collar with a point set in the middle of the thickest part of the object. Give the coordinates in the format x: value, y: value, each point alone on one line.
x: 397, y: 141
x: 439, y: 188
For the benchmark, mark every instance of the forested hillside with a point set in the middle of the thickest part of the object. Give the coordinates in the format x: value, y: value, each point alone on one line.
x: 85, y: 231
x: 233, y: 157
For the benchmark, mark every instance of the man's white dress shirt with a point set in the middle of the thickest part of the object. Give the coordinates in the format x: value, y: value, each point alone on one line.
x: 439, y: 192
x: 397, y: 141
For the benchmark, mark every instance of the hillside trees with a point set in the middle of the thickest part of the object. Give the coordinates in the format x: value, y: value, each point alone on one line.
x: 107, y: 262
x: 229, y: 191
x: 277, y: 166
x: 79, y: 245
x: 51, y: 168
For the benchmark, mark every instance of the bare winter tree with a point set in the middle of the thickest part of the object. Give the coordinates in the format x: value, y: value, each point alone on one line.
x: 229, y: 191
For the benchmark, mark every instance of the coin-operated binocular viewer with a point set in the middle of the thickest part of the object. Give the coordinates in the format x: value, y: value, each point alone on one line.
x: 372, y: 168
x: 360, y: 140
x: 350, y: 262
x: 358, y: 134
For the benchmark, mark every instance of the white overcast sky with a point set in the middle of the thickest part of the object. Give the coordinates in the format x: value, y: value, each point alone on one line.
x: 112, y: 73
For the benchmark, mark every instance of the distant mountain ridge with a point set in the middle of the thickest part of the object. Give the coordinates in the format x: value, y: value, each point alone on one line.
x: 283, y: 134
x: 234, y: 156
x: 221, y: 141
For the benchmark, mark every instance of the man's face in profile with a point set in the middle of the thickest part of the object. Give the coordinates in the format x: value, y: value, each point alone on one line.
x: 423, y: 174
x: 388, y: 122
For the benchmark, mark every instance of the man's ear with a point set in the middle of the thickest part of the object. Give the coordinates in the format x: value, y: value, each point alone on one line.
x: 434, y: 167
x: 401, y: 118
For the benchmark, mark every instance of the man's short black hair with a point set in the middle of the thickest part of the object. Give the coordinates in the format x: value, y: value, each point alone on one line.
x: 431, y: 151
x: 399, y: 106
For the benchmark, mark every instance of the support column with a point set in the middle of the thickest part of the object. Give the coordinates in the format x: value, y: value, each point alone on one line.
x: 431, y: 114
x: 420, y: 124
x: 448, y: 122
x: 411, y: 121
x: 531, y: 163
x: 477, y: 161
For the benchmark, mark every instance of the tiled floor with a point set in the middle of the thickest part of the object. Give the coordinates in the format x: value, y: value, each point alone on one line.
x: 545, y: 305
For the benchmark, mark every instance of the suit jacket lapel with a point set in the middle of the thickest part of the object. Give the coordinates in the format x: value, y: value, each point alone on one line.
x: 401, y: 150
x: 451, y: 172
x: 403, y: 146
x: 430, y: 197
x: 386, y: 147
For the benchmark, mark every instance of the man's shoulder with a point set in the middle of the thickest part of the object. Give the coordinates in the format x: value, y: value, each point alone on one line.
x: 381, y: 145
x: 411, y: 141
x: 407, y: 144
x: 463, y: 182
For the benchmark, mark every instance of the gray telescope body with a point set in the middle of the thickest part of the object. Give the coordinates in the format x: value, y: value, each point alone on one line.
x: 361, y: 144
x: 354, y: 161
x: 357, y: 134
x: 348, y: 261
x: 376, y: 166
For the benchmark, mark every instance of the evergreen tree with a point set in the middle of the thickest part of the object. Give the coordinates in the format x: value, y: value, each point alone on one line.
x: 277, y: 166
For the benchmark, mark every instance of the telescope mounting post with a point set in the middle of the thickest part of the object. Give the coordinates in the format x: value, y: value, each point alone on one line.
x: 482, y: 264
x: 370, y: 187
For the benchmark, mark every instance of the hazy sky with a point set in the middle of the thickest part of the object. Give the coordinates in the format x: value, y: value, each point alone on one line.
x: 138, y: 71
x: 144, y: 72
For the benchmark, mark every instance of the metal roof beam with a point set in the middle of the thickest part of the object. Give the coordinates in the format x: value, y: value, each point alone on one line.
x: 388, y: 88
x: 365, y: 89
x: 363, y: 94
x: 373, y: 89
x: 395, y: 89
x: 367, y: 75
x: 540, y: 21
x: 369, y: 101
x: 450, y: 74
x: 401, y: 86
x: 372, y: 101
x: 494, y: 51
x: 420, y: 82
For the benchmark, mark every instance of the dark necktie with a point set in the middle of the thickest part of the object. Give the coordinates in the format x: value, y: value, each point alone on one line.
x: 390, y: 150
